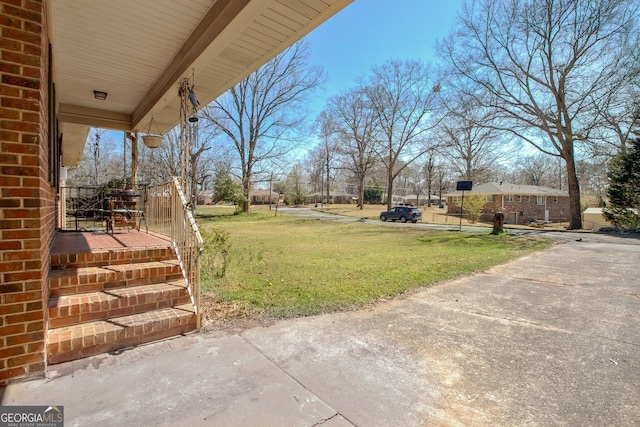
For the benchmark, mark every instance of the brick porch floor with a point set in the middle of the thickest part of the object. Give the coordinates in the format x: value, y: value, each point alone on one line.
x: 87, y: 241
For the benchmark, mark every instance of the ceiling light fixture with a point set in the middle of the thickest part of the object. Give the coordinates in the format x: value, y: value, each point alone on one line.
x: 100, y: 95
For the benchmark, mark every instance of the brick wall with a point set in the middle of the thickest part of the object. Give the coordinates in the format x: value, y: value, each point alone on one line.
x: 27, y: 208
x: 527, y: 210
x: 525, y: 207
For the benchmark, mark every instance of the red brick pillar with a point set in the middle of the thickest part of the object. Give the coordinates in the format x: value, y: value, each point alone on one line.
x: 27, y: 210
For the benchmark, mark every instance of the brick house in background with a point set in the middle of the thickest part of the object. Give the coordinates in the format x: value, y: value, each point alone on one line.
x: 335, y: 197
x: 205, y: 197
x: 67, y: 66
x: 521, y: 204
x: 261, y: 197
x: 415, y: 200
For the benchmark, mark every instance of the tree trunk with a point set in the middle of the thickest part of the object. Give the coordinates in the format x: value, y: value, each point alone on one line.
x: 575, y: 211
x: 246, y: 191
x: 361, y: 192
x: 390, y: 179
x: 328, y: 183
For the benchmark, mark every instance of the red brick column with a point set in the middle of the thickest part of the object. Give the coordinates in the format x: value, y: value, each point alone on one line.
x: 27, y: 210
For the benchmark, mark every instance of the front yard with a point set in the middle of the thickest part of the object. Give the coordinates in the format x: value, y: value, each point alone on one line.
x: 284, y: 266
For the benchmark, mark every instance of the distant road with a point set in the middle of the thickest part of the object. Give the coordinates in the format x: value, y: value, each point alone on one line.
x: 632, y: 238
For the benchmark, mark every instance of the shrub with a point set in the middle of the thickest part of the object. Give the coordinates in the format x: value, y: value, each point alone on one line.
x: 216, y: 252
x: 473, y: 204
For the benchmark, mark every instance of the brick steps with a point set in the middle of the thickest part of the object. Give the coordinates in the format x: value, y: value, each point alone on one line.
x: 102, y: 336
x: 104, y: 257
x: 104, y: 300
x: 67, y: 310
x: 94, y: 279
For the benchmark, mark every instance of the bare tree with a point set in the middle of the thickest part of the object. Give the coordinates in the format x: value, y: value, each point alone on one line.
x: 402, y: 94
x: 321, y: 178
x: 327, y: 150
x: 158, y: 165
x: 429, y: 171
x: 199, y: 167
x: 620, y: 115
x: 296, y: 189
x: 593, y: 176
x: 356, y: 124
x: 413, y: 181
x: 469, y: 136
x: 259, y: 113
x: 314, y: 166
x: 546, y: 64
x: 538, y: 169
x: 101, y: 161
x: 443, y: 180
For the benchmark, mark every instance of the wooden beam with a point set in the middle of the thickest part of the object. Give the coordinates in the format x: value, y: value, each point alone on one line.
x: 94, y: 117
x: 221, y: 14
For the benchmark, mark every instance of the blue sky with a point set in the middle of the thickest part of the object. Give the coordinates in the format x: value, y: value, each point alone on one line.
x: 369, y: 32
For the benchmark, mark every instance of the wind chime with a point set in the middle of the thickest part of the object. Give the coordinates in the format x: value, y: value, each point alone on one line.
x: 188, y: 133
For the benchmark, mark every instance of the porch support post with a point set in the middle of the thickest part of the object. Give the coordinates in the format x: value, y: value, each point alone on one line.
x: 133, y: 136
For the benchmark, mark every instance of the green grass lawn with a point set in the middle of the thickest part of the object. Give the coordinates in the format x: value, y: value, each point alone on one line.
x: 287, y: 266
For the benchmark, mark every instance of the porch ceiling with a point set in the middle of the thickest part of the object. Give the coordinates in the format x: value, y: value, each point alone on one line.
x: 140, y: 51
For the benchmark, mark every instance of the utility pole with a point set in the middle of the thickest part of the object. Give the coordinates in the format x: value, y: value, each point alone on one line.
x: 96, y: 156
x: 328, y: 176
x: 270, y: 188
x: 321, y: 186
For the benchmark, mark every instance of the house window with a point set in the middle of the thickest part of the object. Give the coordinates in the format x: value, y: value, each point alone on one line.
x: 519, y: 197
x: 555, y: 199
x: 509, y: 197
x: 539, y: 200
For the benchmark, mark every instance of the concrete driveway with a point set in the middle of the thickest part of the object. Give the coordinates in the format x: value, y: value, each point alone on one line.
x: 548, y: 340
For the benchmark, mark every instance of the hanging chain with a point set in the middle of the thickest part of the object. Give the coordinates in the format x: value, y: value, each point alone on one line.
x: 183, y: 92
x: 188, y: 137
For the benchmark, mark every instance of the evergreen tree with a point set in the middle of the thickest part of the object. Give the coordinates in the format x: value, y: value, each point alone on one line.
x: 373, y: 195
x: 225, y: 189
x: 623, y: 208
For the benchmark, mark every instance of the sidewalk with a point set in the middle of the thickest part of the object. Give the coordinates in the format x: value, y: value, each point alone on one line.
x: 550, y: 339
